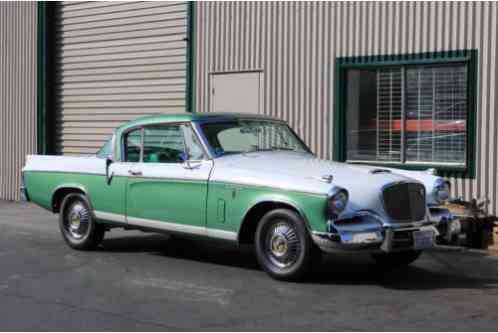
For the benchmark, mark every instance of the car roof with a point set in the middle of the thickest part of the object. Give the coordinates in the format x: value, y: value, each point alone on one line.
x: 187, y: 116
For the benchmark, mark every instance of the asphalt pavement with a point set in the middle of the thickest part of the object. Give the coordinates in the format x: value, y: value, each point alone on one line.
x: 139, y: 281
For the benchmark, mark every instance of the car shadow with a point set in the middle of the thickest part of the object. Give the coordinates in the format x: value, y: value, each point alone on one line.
x: 424, y: 274
x: 183, y: 248
x: 421, y: 275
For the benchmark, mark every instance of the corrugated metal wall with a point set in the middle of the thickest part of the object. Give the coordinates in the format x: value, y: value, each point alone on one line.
x: 17, y: 92
x: 295, y: 44
x: 116, y: 61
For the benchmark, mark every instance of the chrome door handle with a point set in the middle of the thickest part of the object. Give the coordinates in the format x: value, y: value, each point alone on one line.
x: 135, y: 172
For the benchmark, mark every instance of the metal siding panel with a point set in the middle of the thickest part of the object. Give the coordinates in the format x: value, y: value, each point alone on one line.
x: 121, y: 11
x: 17, y: 92
x: 285, y: 41
x: 116, y: 62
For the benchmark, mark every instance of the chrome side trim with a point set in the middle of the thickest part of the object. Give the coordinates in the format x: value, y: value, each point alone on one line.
x: 270, y: 187
x: 168, y: 226
x: 110, y: 217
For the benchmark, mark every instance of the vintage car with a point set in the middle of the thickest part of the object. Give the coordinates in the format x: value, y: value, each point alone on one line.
x: 244, y: 179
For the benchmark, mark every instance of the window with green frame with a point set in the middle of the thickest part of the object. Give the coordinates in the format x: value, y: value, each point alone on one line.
x: 414, y: 111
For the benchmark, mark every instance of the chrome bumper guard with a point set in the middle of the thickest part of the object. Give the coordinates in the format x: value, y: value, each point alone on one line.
x: 369, y: 234
x: 446, y: 223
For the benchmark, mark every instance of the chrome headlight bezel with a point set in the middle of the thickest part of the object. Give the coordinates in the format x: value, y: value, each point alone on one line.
x: 442, y: 191
x: 337, y: 200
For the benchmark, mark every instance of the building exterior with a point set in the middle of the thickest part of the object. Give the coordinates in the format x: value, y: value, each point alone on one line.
x: 77, y: 70
x: 405, y: 84
x: 18, y: 92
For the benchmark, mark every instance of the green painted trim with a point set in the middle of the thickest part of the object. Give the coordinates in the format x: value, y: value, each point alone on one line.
x: 470, y: 57
x: 190, y: 88
x: 41, y: 77
x: 339, y: 143
x: 472, y: 115
x: 46, y: 95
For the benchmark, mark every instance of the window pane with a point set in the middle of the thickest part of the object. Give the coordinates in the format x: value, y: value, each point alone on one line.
x: 193, y: 146
x: 163, y: 144
x: 132, y: 145
x: 374, y: 104
x: 106, y: 149
x: 436, y: 118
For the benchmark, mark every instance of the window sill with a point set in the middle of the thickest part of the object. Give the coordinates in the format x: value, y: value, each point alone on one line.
x: 447, y: 170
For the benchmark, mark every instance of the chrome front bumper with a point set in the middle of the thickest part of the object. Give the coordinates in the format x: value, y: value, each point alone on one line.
x: 369, y: 233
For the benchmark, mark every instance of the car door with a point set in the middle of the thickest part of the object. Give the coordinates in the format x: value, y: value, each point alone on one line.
x: 107, y: 194
x: 167, y: 185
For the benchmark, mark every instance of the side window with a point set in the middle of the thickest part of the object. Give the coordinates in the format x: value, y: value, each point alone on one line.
x: 163, y: 144
x: 192, y: 144
x: 133, y: 143
x: 106, y: 149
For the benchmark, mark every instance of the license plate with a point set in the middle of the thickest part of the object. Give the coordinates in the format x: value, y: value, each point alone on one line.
x: 423, y: 239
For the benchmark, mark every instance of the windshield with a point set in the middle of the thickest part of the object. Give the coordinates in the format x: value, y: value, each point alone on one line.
x: 245, y: 136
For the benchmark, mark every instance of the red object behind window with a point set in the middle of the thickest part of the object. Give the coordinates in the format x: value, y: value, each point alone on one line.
x: 427, y: 125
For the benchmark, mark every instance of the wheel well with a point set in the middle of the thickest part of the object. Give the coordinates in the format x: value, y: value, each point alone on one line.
x: 251, y: 220
x: 60, y: 194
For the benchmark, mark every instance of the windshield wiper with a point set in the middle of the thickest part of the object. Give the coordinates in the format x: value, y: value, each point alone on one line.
x: 282, y: 148
x: 270, y: 149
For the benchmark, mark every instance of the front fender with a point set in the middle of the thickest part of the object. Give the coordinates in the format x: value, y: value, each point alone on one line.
x: 278, y: 199
x: 311, y: 207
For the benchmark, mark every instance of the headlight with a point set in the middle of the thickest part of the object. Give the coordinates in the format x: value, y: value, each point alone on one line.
x: 337, y: 201
x: 442, y: 191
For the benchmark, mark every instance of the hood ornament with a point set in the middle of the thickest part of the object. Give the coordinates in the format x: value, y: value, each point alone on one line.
x: 328, y: 178
x: 375, y: 171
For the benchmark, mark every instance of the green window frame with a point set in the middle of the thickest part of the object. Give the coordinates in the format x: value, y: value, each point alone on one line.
x: 406, y: 61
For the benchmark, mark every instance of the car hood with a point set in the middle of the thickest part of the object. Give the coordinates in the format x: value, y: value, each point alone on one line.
x: 304, y: 173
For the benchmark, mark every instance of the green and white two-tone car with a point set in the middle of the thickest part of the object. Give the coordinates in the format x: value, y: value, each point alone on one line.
x: 240, y: 178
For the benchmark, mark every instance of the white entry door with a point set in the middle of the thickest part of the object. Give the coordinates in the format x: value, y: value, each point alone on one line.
x: 236, y: 92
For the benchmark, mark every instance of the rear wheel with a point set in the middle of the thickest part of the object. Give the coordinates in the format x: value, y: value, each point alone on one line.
x: 77, y: 225
x: 283, y: 246
x: 396, y: 259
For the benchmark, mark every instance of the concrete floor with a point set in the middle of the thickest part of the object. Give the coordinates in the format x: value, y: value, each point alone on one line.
x: 138, y: 281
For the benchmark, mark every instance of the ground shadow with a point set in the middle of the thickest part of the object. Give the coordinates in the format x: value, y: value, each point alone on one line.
x: 217, y: 253
x: 422, y: 275
x: 332, y: 269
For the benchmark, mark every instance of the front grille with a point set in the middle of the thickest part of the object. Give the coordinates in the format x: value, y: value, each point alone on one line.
x: 405, y: 202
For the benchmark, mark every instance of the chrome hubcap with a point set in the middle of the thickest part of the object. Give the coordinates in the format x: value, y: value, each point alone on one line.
x: 283, y: 245
x: 77, y: 220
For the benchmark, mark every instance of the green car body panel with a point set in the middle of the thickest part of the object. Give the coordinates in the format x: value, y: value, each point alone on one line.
x: 43, y: 186
x: 221, y: 206
x: 234, y: 201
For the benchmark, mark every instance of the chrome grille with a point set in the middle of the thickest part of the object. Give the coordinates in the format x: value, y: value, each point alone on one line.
x: 405, y: 202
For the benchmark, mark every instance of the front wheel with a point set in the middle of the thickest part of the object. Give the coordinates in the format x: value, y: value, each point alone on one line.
x: 283, y: 246
x: 77, y: 225
x: 396, y: 259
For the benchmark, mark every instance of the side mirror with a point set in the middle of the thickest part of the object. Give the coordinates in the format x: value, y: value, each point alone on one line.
x: 188, y: 163
x: 108, y: 161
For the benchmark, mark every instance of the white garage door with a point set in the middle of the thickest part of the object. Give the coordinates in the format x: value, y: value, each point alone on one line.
x: 116, y: 61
